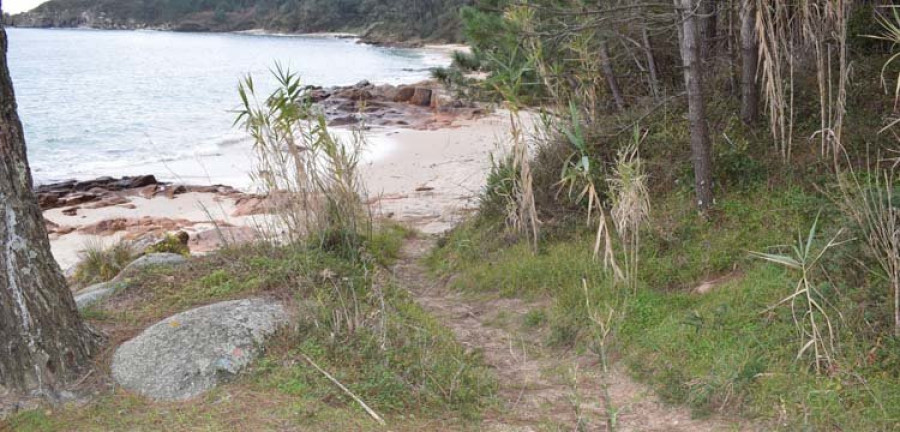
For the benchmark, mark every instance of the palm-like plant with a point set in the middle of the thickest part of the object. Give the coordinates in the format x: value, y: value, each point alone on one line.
x: 809, y: 307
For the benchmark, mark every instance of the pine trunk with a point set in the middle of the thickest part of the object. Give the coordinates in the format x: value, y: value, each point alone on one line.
x: 44, y: 340
x: 651, y: 62
x: 611, y: 80
x: 749, y: 64
x: 693, y: 79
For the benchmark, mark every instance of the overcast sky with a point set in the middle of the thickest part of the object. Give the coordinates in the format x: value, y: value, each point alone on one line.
x: 16, y: 6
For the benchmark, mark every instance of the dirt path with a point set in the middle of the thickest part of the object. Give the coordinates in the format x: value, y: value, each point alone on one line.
x: 540, y: 388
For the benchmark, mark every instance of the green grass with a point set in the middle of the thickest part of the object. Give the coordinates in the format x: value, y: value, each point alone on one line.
x: 100, y: 263
x: 394, y: 356
x: 714, y: 352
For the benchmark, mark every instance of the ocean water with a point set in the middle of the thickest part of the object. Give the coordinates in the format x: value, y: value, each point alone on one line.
x: 115, y: 103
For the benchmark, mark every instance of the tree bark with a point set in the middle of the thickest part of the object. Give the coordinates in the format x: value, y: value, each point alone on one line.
x: 44, y: 340
x: 749, y: 64
x: 611, y: 79
x: 651, y: 62
x: 693, y: 80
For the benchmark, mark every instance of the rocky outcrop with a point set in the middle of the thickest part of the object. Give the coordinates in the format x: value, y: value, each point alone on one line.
x: 190, y: 353
x: 109, y: 191
x: 423, y: 106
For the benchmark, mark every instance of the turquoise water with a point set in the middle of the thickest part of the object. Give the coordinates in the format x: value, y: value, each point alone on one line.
x: 111, y: 102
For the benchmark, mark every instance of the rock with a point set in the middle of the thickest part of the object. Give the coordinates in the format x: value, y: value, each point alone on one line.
x: 69, y: 193
x: 105, y: 227
x: 216, y: 238
x: 421, y: 97
x: 108, y: 201
x: 99, y: 292
x: 48, y: 200
x: 171, y: 191
x: 404, y: 93
x: 190, y: 353
x: 77, y: 198
x: 317, y: 96
x: 139, y: 181
x: 343, y: 120
x: 151, y: 260
x: 355, y: 94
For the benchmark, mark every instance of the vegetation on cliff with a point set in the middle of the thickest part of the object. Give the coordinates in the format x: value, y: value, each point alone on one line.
x: 376, y: 20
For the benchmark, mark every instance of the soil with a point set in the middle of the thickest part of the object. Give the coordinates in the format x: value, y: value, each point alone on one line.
x: 542, y: 388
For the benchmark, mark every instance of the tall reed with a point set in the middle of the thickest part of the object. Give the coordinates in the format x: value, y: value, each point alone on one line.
x: 310, y: 177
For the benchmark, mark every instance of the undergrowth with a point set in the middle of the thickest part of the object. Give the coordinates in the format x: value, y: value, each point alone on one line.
x: 353, y: 322
x: 719, y: 351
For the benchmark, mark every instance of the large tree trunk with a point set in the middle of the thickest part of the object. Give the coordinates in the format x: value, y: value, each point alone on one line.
x: 693, y: 80
x: 749, y: 64
x: 611, y: 80
x: 43, y: 341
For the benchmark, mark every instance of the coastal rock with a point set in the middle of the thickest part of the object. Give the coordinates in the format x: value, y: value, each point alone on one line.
x: 217, y: 238
x: 136, y: 227
x: 190, y: 353
x: 421, y: 106
x: 404, y: 93
x: 70, y: 193
x: 421, y: 97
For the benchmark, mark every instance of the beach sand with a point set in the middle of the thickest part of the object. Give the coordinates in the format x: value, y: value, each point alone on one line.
x: 428, y: 180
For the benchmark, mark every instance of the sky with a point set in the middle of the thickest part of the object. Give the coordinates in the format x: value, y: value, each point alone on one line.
x: 16, y: 6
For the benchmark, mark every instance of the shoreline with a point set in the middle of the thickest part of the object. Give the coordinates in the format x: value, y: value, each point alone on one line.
x: 355, y: 37
x: 427, y: 179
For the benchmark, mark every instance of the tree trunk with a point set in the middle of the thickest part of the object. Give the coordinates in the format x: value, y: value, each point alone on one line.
x: 709, y: 17
x: 651, y: 62
x: 693, y: 80
x: 44, y: 341
x: 611, y: 79
x: 749, y: 64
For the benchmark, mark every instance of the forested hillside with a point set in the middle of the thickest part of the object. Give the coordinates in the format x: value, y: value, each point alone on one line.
x: 377, y: 20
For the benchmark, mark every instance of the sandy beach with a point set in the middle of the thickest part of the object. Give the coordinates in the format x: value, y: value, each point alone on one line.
x: 426, y: 179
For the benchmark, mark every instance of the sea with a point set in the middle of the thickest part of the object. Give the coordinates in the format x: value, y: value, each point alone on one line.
x: 115, y: 102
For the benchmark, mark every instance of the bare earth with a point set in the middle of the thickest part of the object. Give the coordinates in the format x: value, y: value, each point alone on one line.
x: 541, y: 388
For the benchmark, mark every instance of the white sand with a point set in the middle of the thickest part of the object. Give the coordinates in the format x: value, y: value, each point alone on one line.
x: 427, y: 179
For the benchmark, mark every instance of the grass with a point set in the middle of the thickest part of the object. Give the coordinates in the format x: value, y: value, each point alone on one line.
x: 100, y: 263
x: 394, y: 356
x: 716, y: 352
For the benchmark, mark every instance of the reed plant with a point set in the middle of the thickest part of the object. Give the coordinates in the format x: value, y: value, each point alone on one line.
x: 310, y: 176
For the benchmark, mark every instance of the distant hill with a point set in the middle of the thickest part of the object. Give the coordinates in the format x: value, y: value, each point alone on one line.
x: 378, y: 21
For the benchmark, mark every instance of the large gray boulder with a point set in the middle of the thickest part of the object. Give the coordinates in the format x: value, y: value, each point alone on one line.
x: 189, y: 353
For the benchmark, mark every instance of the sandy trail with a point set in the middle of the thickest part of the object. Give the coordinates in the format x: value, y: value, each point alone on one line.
x: 541, y: 388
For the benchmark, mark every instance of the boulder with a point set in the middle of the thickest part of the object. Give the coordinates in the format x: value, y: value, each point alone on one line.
x: 421, y: 97
x: 190, y: 353
x: 217, y: 238
x: 404, y: 94
x: 97, y: 293
x: 151, y: 260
